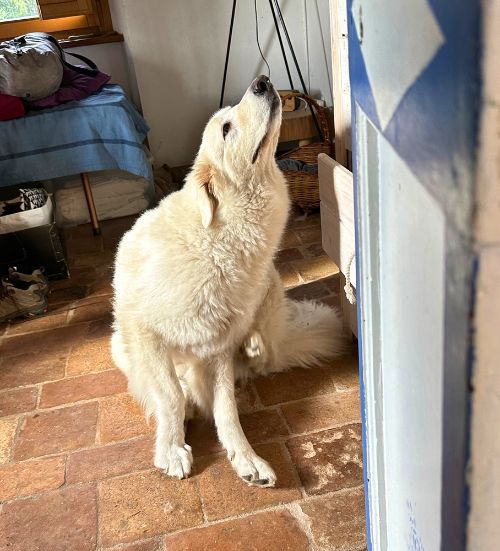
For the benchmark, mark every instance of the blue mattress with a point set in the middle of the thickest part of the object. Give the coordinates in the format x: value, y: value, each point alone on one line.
x: 103, y: 131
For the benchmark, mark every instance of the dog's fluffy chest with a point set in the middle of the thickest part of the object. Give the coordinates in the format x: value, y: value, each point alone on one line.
x: 232, y: 262
x: 202, y: 285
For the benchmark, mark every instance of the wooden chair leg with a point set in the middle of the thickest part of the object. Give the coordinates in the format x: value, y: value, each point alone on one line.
x: 90, y: 203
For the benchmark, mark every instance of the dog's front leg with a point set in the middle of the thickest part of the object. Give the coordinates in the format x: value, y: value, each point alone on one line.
x: 172, y: 454
x: 249, y: 466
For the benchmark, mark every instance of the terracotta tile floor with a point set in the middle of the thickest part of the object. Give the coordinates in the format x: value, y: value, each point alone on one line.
x: 76, y: 454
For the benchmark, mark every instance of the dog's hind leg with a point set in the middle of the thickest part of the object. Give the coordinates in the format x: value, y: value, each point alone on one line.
x: 294, y: 333
x: 249, y: 466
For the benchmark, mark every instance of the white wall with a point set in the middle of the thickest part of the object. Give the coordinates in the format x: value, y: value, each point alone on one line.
x: 111, y: 59
x: 176, y: 49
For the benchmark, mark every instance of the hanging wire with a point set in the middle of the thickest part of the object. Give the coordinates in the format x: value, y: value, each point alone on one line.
x: 221, y: 103
x: 258, y: 43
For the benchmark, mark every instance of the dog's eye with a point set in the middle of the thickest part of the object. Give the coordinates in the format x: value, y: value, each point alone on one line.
x: 225, y: 129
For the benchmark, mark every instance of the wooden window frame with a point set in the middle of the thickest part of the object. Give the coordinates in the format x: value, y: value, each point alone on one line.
x: 72, y: 22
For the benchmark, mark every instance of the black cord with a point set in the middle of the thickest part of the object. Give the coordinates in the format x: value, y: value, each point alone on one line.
x: 258, y: 43
x: 280, y: 15
x: 227, y: 55
x: 276, y: 26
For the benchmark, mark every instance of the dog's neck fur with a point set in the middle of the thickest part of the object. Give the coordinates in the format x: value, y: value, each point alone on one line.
x: 251, y: 214
x: 253, y: 205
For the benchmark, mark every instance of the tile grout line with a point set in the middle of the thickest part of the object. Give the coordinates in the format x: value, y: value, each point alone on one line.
x: 269, y: 508
x: 14, y: 440
x: 296, y: 475
x: 64, y: 378
x: 98, y: 515
x: 283, y: 439
x: 97, y: 444
x: 48, y: 491
x: 202, y: 503
x: 304, y: 523
x: 97, y: 438
x: 66, y: 463
x: 68, y: 405
x: 287, y: 454
x: 66, y: 324
x: 258, y: 400
x: 305, y: 398
x: 68, y: 453
x: 82, y: 401
x: 120, y: 546
x: 39, y: 397
x: 21, y: 387
x: 209, y: 522
x: 270, y: 407
x: 277, y: 409
x: 79, y: 401
x: 66, y: 321
x: 66, y: 362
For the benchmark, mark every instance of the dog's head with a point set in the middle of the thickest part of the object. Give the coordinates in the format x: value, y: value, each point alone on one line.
x: 238, y: 143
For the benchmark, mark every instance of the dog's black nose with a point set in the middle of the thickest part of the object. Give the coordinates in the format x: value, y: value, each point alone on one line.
x: 260, y: 85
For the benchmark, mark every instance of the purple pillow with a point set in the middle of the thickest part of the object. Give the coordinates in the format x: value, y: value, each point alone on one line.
x: 74, y: 86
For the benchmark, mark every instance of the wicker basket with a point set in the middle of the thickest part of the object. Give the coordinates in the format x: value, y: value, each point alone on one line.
x: 303, y: 186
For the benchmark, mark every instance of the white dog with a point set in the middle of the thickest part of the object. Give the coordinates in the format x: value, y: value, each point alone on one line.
x: 198, y: 301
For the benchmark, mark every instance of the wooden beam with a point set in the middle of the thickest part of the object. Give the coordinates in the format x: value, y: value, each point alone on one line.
x: 341, y: 82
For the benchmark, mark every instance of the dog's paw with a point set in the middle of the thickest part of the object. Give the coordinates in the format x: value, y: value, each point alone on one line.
x: 254, y: 346
x: 176, y: 461
x: 253, y: 470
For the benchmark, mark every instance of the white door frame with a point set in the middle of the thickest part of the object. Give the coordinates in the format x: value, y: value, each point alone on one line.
x: 367, y: 202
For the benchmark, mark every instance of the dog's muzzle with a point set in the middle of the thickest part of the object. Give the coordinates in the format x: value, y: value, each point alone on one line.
x: 262, y: 86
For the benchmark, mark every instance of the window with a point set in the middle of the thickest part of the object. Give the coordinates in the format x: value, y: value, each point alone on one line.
x: 73, y: 22
x: 14, y: 10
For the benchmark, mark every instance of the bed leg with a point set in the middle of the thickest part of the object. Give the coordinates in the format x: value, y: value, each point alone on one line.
x: 90, y: 203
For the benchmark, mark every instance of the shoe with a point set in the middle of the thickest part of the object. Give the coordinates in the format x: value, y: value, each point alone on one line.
x: 28, y: 199
x: 36, y: 276
x: 15, y: 303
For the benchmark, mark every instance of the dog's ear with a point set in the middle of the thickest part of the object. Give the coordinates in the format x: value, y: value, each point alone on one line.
x: 204, y: 192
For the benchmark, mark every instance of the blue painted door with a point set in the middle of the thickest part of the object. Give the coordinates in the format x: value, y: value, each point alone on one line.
x: 415, y: 95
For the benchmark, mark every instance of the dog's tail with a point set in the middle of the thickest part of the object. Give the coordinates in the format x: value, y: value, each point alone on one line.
x: 313, y: 333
